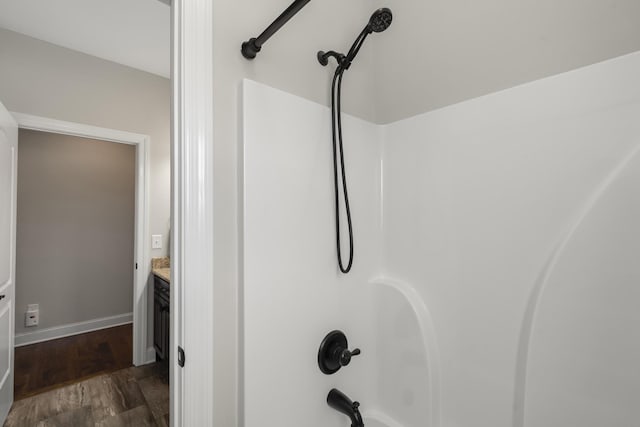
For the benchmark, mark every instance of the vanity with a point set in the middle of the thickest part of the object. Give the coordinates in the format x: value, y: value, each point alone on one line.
x: 161, y: 308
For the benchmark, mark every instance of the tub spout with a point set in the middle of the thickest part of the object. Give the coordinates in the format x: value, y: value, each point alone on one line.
x: 341, y: 403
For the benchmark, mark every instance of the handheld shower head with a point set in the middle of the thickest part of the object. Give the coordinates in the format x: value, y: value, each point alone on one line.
x: 380, y: 20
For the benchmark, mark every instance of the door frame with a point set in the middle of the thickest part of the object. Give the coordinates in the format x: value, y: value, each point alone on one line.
x: 192, y: 214
x: 142, y: 264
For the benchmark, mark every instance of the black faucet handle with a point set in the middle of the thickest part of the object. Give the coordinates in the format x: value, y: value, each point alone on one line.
x: 346, y: 355
x: 334, y: 352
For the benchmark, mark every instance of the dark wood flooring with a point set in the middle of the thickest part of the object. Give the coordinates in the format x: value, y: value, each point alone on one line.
x: 51, y: 364
x: 131, y: 397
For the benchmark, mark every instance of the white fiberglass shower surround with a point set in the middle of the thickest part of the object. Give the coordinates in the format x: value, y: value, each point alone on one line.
x: 495, y: 281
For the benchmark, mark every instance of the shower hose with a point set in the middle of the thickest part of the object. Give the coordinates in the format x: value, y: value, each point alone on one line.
x: 336, y: 128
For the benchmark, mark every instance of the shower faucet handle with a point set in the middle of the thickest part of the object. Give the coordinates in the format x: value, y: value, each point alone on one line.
x: 346, y: 355
x: 334, y: 353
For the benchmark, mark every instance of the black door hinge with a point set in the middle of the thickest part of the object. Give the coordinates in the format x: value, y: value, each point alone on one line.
x: 180, y: 357
x: 136, y: 265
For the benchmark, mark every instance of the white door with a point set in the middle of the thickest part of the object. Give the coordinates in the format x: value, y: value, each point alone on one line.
x: 8, y: 168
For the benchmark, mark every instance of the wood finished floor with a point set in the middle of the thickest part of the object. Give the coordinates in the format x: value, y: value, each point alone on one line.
x: 131, y: 397
x: 44, y: 366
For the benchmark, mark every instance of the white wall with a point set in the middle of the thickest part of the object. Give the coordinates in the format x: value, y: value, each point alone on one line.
x: 435, y: 54
x: 514, y: 217
x: 430, y: 57
x: 293, y: 293
x: 581, y: 368
x: 287, y: 61
x: 505, y: 292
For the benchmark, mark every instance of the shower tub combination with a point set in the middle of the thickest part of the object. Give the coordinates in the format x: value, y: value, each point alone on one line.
x: 494, y: 277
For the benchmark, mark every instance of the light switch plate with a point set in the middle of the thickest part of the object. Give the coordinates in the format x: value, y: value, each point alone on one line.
x: 156, y: 241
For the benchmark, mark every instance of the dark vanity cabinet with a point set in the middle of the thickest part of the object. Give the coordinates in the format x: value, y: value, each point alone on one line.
x: 161, y: 319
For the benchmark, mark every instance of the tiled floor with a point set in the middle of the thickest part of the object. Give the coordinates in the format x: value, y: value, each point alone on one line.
x: 134, y: 397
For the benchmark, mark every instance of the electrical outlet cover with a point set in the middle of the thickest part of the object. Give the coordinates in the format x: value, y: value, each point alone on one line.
x: 31, y: 318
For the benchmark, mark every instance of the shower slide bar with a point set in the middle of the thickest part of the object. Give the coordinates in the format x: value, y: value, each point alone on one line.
x: 251, y: 47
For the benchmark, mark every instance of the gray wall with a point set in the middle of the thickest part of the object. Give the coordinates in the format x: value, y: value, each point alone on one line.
x: 45, y: 80
x: 75, y: 228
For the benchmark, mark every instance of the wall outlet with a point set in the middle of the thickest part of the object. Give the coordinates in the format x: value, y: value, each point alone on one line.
x: 156, y: 241
x: 32, y: 317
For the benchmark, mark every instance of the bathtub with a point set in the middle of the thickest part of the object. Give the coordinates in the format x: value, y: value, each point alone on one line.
x: 379, y: 419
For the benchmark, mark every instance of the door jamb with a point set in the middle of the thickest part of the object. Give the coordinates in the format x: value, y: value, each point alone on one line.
x: 141, y: 250
x: 192, y: 214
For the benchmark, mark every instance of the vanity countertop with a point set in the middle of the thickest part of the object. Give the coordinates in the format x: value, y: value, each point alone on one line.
x: 163, y: 273
x: 161, y: 267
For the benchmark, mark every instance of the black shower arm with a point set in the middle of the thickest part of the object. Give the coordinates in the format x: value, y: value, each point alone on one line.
x: 344, y: 61
x: 251, y: 47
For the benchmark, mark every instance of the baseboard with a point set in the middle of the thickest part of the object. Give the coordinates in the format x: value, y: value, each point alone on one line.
x: 62, y: 331
x: 151, y: 355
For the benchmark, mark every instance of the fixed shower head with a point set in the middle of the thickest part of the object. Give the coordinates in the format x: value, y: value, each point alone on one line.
x: 380, y: 20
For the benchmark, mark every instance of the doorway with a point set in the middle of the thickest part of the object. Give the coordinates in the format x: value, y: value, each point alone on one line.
x: 142, y: 351
x: 103, y: 184
x: 75, y: 237
x: 39, y: 91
